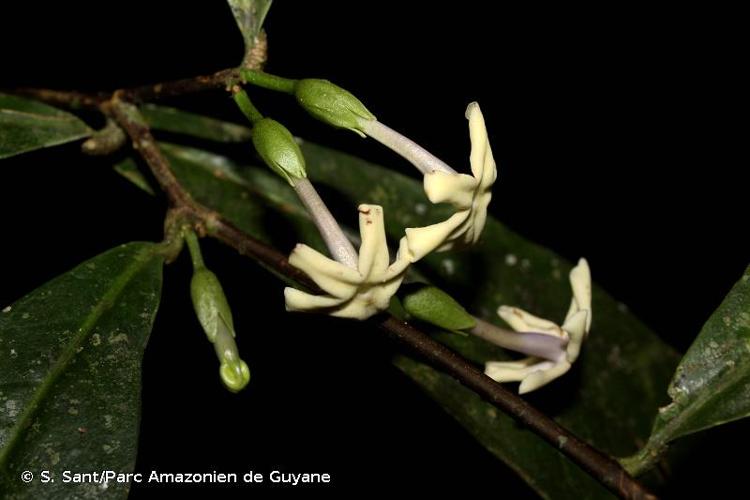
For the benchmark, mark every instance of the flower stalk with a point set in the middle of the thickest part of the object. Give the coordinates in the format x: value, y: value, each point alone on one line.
x: 268, y: 81
x: 246, y: 106
x: 418, y: 156
x: 280, y: 152
x: 338, y: 244
x: 529, y: 343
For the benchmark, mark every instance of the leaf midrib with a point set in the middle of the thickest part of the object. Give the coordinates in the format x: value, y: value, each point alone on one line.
x: 103, y: 305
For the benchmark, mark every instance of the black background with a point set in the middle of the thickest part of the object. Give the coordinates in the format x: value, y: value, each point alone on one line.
x: 615, y: 131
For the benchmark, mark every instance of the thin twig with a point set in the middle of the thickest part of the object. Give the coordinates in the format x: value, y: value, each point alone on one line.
x: 607, y: 470
x: 131, y: 120
x: 222, y: 79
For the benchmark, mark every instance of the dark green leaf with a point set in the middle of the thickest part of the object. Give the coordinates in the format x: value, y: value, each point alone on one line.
x: 70, y: 373
x: 711, y: 386
x: 622, y: 361
x: 129, y: 169
x: 184, y: 122
x: 26, y: 125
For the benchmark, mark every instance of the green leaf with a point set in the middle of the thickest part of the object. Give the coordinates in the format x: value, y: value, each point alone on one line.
x: 622, y: 361
x: 26, y: 125
x: 70, y: 373
x: 184, y: 122
x: 129, y: 169
x: 711, y: 385
x: 249, y: 15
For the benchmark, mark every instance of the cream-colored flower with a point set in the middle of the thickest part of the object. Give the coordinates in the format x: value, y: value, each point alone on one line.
x: 351, y: 293
x: 535, y: 372
x: 358, y: 286
x: 468, y: 194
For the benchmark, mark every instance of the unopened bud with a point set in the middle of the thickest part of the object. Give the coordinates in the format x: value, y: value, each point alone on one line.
x: 209, y: 302
x: 279, y: 150
x: 331, y: 104
x: 432, y: 305
x: 215, y: 317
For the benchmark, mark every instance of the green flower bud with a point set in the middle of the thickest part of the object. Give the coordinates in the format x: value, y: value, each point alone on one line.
x: 432, y: 305
x: 215, y: 317
x: 233, y: 371
x: 210, y: 303
x: 332, y: 104
x: 278, y: 149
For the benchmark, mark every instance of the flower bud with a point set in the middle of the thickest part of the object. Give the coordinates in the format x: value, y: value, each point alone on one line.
x: 215, y: 317
x: 233, y: 371
x: 332, y: 104
x: 278, y: 149
x: 209, y: 302
x: 432, y: 305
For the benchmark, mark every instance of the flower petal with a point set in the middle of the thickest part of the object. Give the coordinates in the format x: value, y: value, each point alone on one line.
x: 539, y: 378
x: 478, y: 217
x: 403, y: 259
x: 522, y: 321
x: 576, y: 328
x: 580, y: 281
x: 515, y: 371
x: 333, y: 277
x: 373, y: 252
x: 456, y: 189
x: 297, y: 300
x: 482, y: 161
x: 423, y: 240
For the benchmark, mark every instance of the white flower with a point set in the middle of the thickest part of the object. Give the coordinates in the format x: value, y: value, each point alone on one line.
x: 351, y: 293
x: 468, y: 194
x: 360, y: 285
x: 535, y: 372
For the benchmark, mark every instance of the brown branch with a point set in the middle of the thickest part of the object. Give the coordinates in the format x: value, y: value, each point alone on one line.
x: 132, y: 122
x: 219, y: 80
x: 602, y: 467
x: 76, y: 100
x: 607, y: 470
x: 222, y: 79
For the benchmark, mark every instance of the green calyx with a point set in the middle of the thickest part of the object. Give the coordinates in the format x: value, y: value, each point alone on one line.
x: 432, y: 305
x: 332, y: 104
x: 279, y: 150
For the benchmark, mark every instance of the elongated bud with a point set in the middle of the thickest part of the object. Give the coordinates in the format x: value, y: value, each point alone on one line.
x: 432, y: 305
x: 210, y: 303
x: 213, y: 312
x: 278, y: 149
x: 331, y: 104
